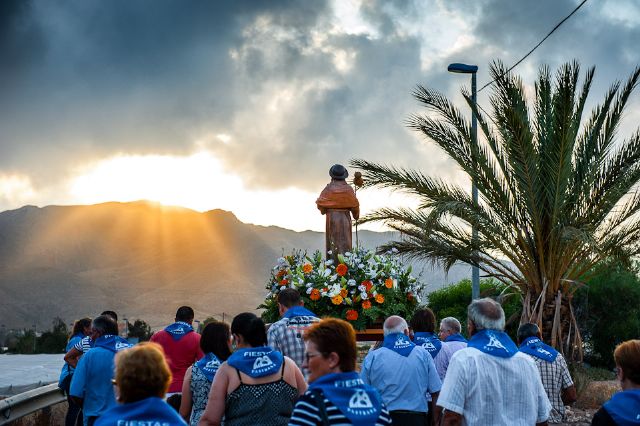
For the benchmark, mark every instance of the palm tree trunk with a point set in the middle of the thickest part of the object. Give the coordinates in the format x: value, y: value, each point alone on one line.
x: 553, y: 313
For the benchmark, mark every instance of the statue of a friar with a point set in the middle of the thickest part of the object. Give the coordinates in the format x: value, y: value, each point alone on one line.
x: 338, y: 201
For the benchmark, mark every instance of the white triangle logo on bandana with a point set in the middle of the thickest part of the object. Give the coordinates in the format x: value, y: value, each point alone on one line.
x: 428, y: 345
x: 214, y: 363
x: 262, y: 362
x: 494, y: 342
x: 544, y: 351
x: 122, y: 345
x: 360, y: 399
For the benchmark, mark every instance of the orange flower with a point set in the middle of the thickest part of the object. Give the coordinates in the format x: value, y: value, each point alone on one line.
x: 341, y: 269
x: 368, y: 284
x: 336, y: 300
x: 281, y: 273
x: 284, y: 282
x: 344, y: 292
x: 306, y: 268
x: 379, y: 298
x: 366, y: 304
x: 388, y: 283
x: 315, y: 294
x: 352, y: 315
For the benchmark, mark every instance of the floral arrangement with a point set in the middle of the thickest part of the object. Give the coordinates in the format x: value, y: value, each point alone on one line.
x: 361, y: 287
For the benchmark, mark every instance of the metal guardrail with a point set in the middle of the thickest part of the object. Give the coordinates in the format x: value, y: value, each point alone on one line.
x: 29, y: 402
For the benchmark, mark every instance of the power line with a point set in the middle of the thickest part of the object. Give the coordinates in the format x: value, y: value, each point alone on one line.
x: 536, y: 46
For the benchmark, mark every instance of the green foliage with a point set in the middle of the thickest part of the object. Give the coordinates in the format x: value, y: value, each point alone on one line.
x: 611, y: 307
x: 452, y: 301
x: 53, y: 341
x: 26, y: 343
x: 558, y: 193
x: 140, y: 329
x: 49, y: 342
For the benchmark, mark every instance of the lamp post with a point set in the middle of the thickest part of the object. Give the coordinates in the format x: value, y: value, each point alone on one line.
x: 471, y: 69
x: 34, y: 338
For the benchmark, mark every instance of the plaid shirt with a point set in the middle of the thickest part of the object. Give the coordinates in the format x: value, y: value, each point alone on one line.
x: 555, y: 377
x: 286, y: 336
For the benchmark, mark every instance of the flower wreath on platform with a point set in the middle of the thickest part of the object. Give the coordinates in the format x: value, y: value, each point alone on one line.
x: 361, y: 287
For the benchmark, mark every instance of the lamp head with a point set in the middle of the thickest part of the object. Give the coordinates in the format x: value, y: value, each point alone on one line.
x: 462, y: 68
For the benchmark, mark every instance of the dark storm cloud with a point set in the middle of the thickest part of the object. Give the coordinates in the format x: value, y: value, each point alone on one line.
x: 93, y: 78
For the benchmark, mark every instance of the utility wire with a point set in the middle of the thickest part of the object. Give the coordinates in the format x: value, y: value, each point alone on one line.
x: 536, y: 46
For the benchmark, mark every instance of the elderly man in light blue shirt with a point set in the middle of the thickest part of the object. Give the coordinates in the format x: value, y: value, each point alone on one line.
x: 403, y: 373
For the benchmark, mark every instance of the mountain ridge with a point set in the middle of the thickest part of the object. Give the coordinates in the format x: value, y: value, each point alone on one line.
x: 143, y: 260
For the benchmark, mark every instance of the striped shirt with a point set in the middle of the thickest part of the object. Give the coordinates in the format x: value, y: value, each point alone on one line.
x: 489, y: 390
x: 84, y: 345
x: 307, y: 413
x: 444, y: 356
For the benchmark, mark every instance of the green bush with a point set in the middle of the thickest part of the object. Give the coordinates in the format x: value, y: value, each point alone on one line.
x: 141, y: 330
x: 452, y: 301
x: 53, y: 341
x: 610, y: 311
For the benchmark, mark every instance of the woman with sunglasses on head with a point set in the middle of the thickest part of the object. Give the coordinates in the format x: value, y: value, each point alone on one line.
x: 336, y: 395
x: 256, y: 385
x: 623, y: 409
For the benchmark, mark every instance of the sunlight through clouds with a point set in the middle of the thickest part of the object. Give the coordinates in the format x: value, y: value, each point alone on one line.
x: 199, y: 182
x: 15, y: 190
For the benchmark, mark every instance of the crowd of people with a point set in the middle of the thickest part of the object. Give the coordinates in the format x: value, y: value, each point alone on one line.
x: 302, y: 371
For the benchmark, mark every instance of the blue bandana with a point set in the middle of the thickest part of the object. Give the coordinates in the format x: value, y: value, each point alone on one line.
x: 429, y: 341
x: 149, y: 411
x: 624, y: 407
x: 112, y: 343
x: 256, y: 362
x: 399, y: 343
x: 209, y: 365
x: 535, y: 347
x: 455, y: 338
x: 298, y: 311
x: 79, y: 336
x: 179, y: 329
x: 493, y: 342
x: 359, y: 402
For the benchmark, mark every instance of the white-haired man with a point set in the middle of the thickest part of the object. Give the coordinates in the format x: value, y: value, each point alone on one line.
x: 401, y: 371
x: 490, y: 382
x: 452, y: 341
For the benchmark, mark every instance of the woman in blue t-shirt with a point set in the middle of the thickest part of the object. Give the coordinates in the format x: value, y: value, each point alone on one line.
x: 81, y: 328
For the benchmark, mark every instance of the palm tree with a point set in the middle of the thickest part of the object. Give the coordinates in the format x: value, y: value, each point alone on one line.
x: 557, y: 196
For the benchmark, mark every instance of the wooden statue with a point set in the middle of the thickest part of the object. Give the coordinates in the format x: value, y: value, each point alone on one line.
x: 338, y: 201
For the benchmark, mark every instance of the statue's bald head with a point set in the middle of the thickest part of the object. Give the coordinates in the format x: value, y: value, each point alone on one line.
x: 395, y: 324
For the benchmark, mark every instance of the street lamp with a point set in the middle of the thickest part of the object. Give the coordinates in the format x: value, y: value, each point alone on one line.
x: 471, y: 69
x: 34, y: 338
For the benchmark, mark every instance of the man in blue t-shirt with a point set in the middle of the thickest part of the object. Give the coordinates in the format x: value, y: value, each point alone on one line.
x: 91, y: 385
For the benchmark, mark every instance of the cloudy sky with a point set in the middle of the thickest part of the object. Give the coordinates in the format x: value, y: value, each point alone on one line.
x: 244, y: 105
